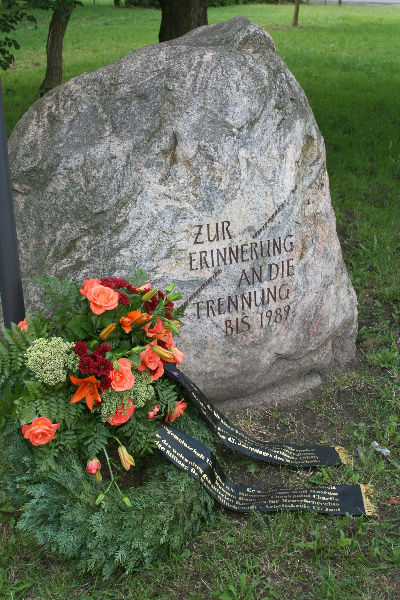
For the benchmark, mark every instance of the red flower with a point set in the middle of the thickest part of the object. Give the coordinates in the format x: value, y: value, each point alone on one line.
x: 81, y: 349
x: 101, y: 350
x: 132, y: 289
x: 122, y: 414
x: 177, y: 412
x: 87, y: 365
x: 123, y: 299
x: 113, y: 282
x: 93, y: 466
x: 105, y: 383
x: 164, y: 339
x: 152, y: 331
x: 151, y: 304
x: 178, y: 356
x: 102, y: 366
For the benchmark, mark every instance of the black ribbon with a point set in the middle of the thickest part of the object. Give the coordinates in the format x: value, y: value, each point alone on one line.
x: 190, y: 455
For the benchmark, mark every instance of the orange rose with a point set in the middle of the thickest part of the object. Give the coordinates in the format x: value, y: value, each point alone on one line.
x: 101, y: 298
x: 152, y: 361
x: 88, y: 284
x: 40, y: 431
x: 158, y: 328
x: 177, y: 412
x: 122, y: 414
x: 123, y: 379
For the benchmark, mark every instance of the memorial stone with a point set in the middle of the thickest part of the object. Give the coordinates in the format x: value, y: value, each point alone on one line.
x: 200, y: 161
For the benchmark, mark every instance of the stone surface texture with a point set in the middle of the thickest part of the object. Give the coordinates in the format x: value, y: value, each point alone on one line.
x: 200, y: 161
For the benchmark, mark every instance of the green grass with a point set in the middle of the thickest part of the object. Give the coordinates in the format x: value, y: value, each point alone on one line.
x: 347, y: 61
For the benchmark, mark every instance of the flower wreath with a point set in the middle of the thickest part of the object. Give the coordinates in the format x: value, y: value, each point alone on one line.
x: 82, y: 390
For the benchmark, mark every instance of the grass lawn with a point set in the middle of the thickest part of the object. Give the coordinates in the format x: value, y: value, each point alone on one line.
x: 348, y: 62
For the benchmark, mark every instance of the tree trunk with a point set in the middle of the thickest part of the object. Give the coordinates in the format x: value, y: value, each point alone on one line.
x: 296, y: 13
x: 117, y: 3
x: 180, y: 16
x: 54, y: 48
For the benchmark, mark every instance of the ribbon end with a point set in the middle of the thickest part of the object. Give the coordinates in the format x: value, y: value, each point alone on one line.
x: 370, y: 509
x: 344, y: 455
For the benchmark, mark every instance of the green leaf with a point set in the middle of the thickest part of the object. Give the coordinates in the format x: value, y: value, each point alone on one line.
x: 80, y: 326
x: 179, y: 312
x: 27, y: 415
x: 172, y: 327
x: 173, y: 297
x: 139, y: 278
x: 252, y: 468
x: 170, y: 288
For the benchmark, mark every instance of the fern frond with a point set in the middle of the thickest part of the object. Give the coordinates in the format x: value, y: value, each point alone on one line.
x: 167, y: 394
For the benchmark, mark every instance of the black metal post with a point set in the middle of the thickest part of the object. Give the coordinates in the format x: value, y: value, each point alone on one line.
x: 12, y: 297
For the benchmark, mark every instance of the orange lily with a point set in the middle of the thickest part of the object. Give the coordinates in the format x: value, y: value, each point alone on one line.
x: 163, y: 353
x: 107, y: 331
x: 137, y: 317
x: 88, y: 389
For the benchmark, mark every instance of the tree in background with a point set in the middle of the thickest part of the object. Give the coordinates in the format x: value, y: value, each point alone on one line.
x: 62, y: 10
x: 181, y: 16
x: 296, y: 13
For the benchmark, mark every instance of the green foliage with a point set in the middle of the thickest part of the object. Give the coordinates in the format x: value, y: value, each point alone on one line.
x: 10, y: 16
x: 11, y: 361
x: 138, y: 433
x: 67, y: 303
x: 167, y: 509
x: 179, y: 312
x: 167, y: 394
x: 139, y: 278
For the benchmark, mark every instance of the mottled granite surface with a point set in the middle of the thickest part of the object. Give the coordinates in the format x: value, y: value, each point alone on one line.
x: 200, y: 161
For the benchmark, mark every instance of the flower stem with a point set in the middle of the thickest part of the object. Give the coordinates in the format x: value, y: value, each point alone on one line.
x: 113, y: 481
x: 117, y: 440
x: 109, y: 465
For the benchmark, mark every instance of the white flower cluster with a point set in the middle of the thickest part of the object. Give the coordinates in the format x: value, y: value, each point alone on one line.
x: 51, y: 360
